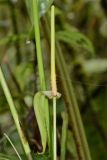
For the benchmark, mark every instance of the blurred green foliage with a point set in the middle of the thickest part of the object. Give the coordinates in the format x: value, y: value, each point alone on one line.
x: 81, y: 30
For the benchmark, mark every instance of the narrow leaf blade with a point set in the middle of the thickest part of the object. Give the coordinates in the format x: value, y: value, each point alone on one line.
x: 39, y: 108
x: 76, y: 39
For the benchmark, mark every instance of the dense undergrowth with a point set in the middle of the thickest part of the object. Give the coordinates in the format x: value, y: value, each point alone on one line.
x: 81, y: 67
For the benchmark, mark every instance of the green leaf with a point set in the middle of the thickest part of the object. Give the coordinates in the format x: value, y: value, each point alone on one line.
x: 42, y: 4
x: 35, y: 157
x: 22, y: 72
x: 7, y: 157
x: 95, y: 66
x: 71, y: 146
x: 39, y: 108
x: 41, y: 157
x: 75, y: 39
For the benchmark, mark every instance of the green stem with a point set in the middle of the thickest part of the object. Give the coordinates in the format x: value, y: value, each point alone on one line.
x: 38, y: 45
x: 70, y: 99
x: 64, y: 135
x: 40, y: 65
x: 15, y: 115
x: 54, y: 129
x: 53, y: 72
x: 53, y: 79
x: 14, y: 18
x: 74, y: 110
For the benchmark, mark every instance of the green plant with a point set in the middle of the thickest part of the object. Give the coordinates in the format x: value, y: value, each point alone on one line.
x: 15, y: 115
x: 41, y: 71
x: 44, y: 98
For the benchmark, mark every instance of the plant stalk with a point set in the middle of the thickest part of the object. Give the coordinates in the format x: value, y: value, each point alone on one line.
x: 15, y: 115
x: 70, y: 99
x: 38, y: 44
x: 41, y: 67
x: 64, y: 135
x: 54, y: 129
x: 53, y: 72
x: 53, y: 79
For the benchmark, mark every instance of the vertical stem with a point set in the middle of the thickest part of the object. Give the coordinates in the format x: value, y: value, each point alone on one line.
x: 15, y: 115
x: 53, y: 74
x: 70, y: 99
x: 54, y: 129
x: 13, y: 6
x: 38, y: 45
x: 64, y: 135
x: 73, y: 108
x: 40, y: 66
x: 53, y: 79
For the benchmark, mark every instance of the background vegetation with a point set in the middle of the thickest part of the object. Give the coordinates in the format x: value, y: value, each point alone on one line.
x: 82, y: 43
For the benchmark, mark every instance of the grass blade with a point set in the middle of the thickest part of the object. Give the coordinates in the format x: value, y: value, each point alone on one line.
x: 12, y: 145
x: 39, y: 108
x: 15, y: 115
